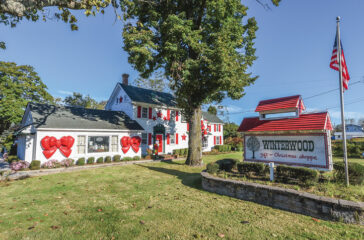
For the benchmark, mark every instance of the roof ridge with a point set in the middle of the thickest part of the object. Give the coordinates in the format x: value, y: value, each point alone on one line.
x: 78, y: 107
x: 152, y: 90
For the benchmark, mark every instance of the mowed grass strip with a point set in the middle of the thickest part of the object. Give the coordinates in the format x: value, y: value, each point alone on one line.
x: 146, y: 201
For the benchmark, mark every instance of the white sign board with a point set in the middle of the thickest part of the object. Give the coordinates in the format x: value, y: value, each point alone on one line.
x: 298, y: 150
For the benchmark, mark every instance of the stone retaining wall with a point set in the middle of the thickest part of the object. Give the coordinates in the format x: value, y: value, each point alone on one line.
x: 287, y: 199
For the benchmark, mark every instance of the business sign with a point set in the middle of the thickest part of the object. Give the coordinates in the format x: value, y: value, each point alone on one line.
x: 298, y: 150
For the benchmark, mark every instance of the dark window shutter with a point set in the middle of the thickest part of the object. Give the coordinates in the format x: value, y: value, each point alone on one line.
x: 177, y: 116
x: 214, y: 140
x: 149, y: 139
x: 188, y: 127
x: 220, y: 141
x: 150, y: 113
x: 139, y: 111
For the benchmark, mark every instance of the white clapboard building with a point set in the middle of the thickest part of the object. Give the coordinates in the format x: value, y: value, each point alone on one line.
x: 134, y: 120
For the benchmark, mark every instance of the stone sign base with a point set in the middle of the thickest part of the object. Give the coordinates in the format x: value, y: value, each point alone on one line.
x: 287, y: 199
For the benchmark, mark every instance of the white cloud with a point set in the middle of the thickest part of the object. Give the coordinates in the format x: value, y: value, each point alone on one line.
x: 63, y: 92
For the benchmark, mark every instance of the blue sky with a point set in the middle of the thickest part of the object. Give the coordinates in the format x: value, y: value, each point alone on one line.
x: 294, y: 45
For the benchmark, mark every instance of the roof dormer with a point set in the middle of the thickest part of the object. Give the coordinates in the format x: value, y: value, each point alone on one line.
x: 278, y: 108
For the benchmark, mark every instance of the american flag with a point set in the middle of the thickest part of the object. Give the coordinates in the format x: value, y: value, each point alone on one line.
x: 334, y: 64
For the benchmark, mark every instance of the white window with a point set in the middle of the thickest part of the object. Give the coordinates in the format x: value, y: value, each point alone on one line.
x: 204, y: 142
x: 114, y: 143
x: 81, y: 144
x: 144, y: 112
x: 98, y: 144
x: 217, y: 140
x: 173, y: 139
x: 144, y: 138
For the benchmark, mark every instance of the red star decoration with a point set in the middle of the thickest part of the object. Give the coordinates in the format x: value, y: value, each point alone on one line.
x: 184, y: 137
x: 154, y: 118
x: 159, y: 114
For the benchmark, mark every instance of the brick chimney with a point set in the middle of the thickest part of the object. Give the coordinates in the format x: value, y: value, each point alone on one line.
x: 125, y: 78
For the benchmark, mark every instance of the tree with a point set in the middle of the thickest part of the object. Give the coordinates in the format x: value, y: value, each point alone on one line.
x: 157, y: 83
x: 212, y: 110
x: 203, y: 47
x: 230, y: 130
x: 18, y: 86
x: 78, y: 100
x: 253, y: 144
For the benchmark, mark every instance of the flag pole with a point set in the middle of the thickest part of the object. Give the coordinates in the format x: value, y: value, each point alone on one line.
x: 342, y: 100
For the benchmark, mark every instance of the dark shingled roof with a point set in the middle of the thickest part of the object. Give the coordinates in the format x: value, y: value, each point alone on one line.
x: 138, y: 94
x: 211, y: 117
x: 50, y: 116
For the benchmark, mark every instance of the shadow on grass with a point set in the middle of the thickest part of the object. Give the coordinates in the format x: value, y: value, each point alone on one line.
x: 192, y: 180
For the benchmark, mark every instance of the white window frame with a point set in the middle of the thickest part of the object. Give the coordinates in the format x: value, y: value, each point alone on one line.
x: 95, y: 136
x: 172, y: 139
x: 217, y: 140
x: 172, y: 116
x: 79, y: 144
x: 114, y: 145
x: 145, y: 114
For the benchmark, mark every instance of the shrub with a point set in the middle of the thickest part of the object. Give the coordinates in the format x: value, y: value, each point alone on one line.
x: 258, y: 169
x: 80, y: 162
x: 100, y: 160
x: 227, y: 164
x: 183, y: 151
x: 356, y: 172
x: 127, y: 159
x: 90, y: 160
x: 301, y: 175
x: 69, y: 162
x: 12, y: 158
x: 19, y: 165
x: 108, y: 159
x: 116, y: 158
x: 53, y: 163
x: 136, y: 158
x: 212, y: 168
x: 34, y: 165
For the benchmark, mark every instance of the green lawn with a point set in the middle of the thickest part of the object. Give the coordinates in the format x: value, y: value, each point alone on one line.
x: 146, y: 201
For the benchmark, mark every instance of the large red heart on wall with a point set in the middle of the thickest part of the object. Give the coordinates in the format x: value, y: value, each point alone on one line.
x: 50, y: 145
x: 135, y: 143
x: 125, y: 144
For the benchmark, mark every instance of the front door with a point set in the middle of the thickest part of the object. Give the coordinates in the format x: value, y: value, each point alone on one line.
x: 159, y: 140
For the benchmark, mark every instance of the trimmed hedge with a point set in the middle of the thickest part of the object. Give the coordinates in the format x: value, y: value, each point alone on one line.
x: 90, y: 160
x: 127, y: 159
x: 212, y: 168
x: 227, y: 164
x: 354, y: 148
x: 223, y: 148
x: 100, y: 160
x: 259, y: 169
x: 108, y: 159
x: 136, y: 158
x: 356, y: 172
x: 287, y: 174
x: 80, y: 162
x: 116, y: 158
x: 12, y: 158
x: 34, y: 165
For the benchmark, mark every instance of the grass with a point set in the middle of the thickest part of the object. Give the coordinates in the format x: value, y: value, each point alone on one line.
x: 146, y: 201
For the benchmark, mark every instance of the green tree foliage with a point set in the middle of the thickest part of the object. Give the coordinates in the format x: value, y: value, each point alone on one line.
x: 212, y: 110
x: 19, y: 84
x: 204, y: 48
x: 230, y: 130
x: 78, y: 100
x: 158, y: 82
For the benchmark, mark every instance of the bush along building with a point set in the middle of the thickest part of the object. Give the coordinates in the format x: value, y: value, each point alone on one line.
x: 134, y: 120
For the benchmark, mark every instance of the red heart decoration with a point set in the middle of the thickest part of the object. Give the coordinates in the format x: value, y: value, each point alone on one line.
x: 49, y: 146
x: 125, y: 144
x: 66, y: 144
x: 135, y: 143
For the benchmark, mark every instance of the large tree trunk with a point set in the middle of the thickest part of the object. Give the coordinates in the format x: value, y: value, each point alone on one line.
x: 194, y: 157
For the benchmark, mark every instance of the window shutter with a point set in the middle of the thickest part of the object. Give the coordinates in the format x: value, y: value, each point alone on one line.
x: 139, y: 111
x: 168, y: 114
x: 188, y: 127
x: 168, y: 138
x: 214, y: 140
x: 214, y: 127
x: 220, y: 141
x: 149, y: 139
x: 176, y: 116
x: 150, y: 113
x: 176, y: 138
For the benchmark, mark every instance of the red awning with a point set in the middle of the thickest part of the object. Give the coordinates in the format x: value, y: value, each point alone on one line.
x: 309, y: 121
